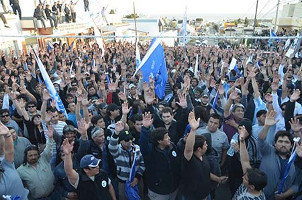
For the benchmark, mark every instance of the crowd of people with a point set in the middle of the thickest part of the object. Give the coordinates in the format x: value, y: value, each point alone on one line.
x: 57, y: 13
x: 118, y: 140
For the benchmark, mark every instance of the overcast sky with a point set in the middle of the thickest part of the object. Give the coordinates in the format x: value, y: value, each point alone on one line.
x: 176, y: 7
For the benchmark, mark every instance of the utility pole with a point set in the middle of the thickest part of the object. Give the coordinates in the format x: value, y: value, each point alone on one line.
x: 276, y: 18
x: 255, y: 19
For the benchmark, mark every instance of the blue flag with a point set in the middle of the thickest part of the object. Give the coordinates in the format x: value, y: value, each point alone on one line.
x: 51, y: 89
x: 49, y: 47
x: 154, y: 65
x: 137, y: 56
x: 273, y: 35
x: 215, y: 100
x: 289, y: 163
x: 71, y: 46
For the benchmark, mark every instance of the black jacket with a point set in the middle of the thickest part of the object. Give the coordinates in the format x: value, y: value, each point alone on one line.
x: 162, y: 167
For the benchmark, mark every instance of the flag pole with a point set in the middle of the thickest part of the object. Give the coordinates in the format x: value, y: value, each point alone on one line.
x: 135, y: 25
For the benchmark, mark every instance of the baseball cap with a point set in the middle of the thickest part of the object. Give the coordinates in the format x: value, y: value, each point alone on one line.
x: 103, y: 105
x: 131, y: 86
x: 125, y: 135
x: 113, y: 107
x: 89, y: 161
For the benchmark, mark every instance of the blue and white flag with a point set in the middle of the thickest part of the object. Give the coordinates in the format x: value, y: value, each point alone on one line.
x: 137, y: 56
x: 249, y: 60
x: 196, y: 67
x: 273, y: 35
x: 289, y: 163
x: 233, y: 66
x: 287, y: 43
x: 51, y: 89
x: 215, y: 100
x: 71, y: 46
x: 183, y: 31
x: 154, y: 65
x: 5, y: 104
x: 49, y: 47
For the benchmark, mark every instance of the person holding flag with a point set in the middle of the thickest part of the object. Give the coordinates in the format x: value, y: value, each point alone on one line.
x: 153, y: 66
x: 277, y: 158
x: 125, y: 155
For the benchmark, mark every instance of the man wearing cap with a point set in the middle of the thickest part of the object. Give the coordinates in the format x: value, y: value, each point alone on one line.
x: 205, y: 102
x: 103, y: 109
x: 124, y: 155
x: 113, y: 114
x: 90, y: 182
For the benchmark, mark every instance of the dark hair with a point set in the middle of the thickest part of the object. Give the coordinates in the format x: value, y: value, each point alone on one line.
x: 256, y: 178
x: 215, y: 116
x: 34, y: 116
x: 248, y: 125
x: 201, y: 113
x: 31, y: 103
x: 157, y: 134
x: 137, y: 118
x: 167, y: 110
x: 261, y: 112
x: 95, y: 119
x: 284, y: 134
x: 199, y: 142
x: 4, y: 111
x: 27, y: 149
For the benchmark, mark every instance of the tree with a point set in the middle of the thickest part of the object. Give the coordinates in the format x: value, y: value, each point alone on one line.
x: 246, y: 21
x: 131, y: 16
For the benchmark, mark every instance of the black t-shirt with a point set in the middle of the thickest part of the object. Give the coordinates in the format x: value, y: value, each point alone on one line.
x: 196, y: 178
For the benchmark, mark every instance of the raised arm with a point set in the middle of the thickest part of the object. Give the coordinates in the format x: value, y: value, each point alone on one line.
x: 194, y: 124
x: 269, y: 121
x: 232, y: 97
x: 72, y: 175
x: 45, y: 98
x: 8, y: 144
x: 244, y: 156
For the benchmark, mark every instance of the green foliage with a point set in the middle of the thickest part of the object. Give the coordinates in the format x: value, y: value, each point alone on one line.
x: 131, y: 16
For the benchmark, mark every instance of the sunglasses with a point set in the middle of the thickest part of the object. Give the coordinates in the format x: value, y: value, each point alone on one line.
x: 127, y: 140
x: 68, y: 129
x: 31, y: 106
x: 4, y: 115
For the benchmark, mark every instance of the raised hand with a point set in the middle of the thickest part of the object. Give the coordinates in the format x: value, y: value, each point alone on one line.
x: 119, y: 126
x: 122, y: 96
x: 270, y: 118
x: 82, y: 127
x: 53, y: 103
x: 147, y: 120
x: 233, y: 95
x: 67, y: 147
x: 295, y: 96
x: 125, y: 109
x: 243, y: 134
x: 149, y: 96
x: 112, y: 86
x: 194, y: 124
x: 46, y: 95
x: 220, y: 90
x: 50, y: 131
x: 182, y: 101
x: 85, y: 101
x: 295, y: 124
x: 3, y: 129
x: 48, y: 117
x: 299, y: 149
